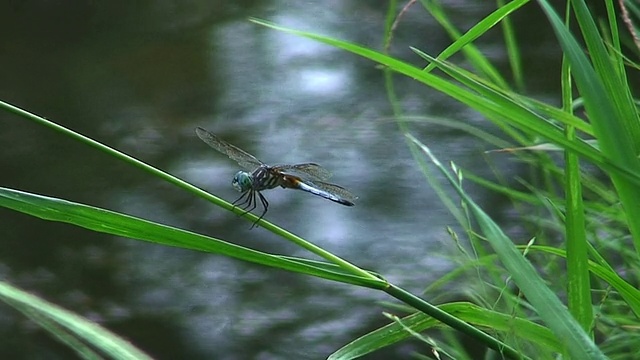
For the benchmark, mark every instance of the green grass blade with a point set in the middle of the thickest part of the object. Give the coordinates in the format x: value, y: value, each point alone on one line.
x: 114, y: 223
x: 464, y: 42
x: 609, y: 66
x: 70, y: 328
x: 578, y: 282
x: 513, y: 50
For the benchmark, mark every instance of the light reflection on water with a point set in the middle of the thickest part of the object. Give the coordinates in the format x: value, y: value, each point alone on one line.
x: 282, y: 98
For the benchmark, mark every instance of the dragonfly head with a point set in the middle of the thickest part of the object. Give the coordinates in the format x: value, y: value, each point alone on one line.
x: 242, y: 181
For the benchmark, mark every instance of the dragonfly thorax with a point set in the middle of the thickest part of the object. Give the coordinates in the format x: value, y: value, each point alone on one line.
x: 242, y: 181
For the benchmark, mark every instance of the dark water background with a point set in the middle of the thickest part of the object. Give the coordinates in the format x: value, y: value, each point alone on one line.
x: 140, y: 77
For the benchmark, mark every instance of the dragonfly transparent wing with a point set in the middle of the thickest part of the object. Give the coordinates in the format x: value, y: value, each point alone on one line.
x: 333, y: 189
x: 310, y: 170
x: 240, y: 156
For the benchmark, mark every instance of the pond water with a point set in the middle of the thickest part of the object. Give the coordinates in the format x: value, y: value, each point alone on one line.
x: 141, y: 77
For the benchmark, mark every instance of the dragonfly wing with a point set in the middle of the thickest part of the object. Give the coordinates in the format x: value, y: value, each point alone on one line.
x: 240, y: 156
x: 332, y: 189
x: 310, y: 170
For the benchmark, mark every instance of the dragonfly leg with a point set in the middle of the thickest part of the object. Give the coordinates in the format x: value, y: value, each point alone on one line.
x: 265, y: 205
x: 238, y: 201
x: 252, y: 203
x: 246, y: 202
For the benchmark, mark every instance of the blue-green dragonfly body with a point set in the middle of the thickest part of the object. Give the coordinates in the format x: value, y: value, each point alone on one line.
x: 263, y: 177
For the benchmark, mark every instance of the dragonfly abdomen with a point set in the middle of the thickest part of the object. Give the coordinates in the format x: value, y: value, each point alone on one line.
x: 300, y: 185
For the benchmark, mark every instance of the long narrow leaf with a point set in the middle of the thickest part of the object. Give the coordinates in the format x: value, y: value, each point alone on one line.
x: 110, y: 222
x: 83, y: 329
x: 464, y: 42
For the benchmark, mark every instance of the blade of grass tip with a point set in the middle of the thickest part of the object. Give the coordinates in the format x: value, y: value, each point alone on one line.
x: 513, y: 51
x: 389, y: 24
x: 464, y: 42
x: 546, y: 303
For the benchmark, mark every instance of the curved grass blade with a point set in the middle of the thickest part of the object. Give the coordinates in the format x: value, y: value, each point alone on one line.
x: 114, y: 223
x: 71, y: 329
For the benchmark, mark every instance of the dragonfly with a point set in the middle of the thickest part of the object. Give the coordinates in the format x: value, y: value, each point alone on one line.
x: 309, y: 177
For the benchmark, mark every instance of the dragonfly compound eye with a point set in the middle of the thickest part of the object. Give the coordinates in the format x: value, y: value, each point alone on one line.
x: 242, y: 181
